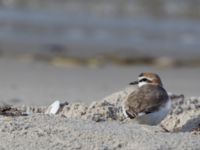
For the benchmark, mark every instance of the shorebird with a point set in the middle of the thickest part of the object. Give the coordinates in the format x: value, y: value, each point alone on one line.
x: 149, y: 103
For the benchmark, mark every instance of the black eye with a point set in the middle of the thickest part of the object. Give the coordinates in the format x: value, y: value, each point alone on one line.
x: 144, y: 80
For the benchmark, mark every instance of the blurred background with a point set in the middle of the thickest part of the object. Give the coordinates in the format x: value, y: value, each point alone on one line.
x: 83, y: 50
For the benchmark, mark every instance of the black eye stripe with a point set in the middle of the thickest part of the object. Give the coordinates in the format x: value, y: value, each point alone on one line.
x: 144, y: 80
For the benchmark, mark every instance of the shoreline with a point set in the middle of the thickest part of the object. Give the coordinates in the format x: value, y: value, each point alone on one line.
x: 36, y: 83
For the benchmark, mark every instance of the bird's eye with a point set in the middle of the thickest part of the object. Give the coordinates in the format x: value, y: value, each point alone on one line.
x: 144, y: 80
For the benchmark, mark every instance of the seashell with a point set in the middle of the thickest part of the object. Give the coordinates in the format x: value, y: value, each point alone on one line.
x: 53, y: 108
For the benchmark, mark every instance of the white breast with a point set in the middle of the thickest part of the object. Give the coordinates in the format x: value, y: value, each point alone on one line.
x: 155, y: 117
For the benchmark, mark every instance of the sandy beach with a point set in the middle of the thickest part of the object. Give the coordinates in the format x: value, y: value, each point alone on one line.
x: 65, y: 69
x: 101, y: 125
x: 53, y: 132
x: 93, y: 118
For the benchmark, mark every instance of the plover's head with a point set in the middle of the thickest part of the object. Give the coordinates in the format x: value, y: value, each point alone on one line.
x: 148, y: 78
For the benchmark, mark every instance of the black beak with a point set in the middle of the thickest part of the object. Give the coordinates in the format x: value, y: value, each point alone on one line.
x: 133, y: 83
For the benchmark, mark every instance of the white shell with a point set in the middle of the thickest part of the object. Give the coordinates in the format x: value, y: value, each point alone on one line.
x: 53, y: 108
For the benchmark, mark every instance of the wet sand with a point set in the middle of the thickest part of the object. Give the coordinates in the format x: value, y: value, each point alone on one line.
x: 36, y: 83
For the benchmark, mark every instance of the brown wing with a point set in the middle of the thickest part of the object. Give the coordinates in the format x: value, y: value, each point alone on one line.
x: 146, y: 99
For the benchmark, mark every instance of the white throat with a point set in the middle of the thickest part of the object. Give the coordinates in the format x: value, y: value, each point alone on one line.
x: 142, y: 83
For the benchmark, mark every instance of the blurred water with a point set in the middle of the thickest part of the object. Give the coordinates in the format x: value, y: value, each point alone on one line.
x: 90, y: 27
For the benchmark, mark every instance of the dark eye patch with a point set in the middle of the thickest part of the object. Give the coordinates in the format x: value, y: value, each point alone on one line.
x: 142, y: 74
x: 145, y: 80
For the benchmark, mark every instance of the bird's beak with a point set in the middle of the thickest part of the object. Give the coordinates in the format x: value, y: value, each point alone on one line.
x: 133, y: 83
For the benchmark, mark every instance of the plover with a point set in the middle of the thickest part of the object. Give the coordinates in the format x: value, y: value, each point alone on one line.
x: 149, y: 103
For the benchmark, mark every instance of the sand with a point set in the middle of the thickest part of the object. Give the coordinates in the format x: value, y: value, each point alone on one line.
x: 55, y: 132
x: 100, y: 125
x: 89, y: 121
